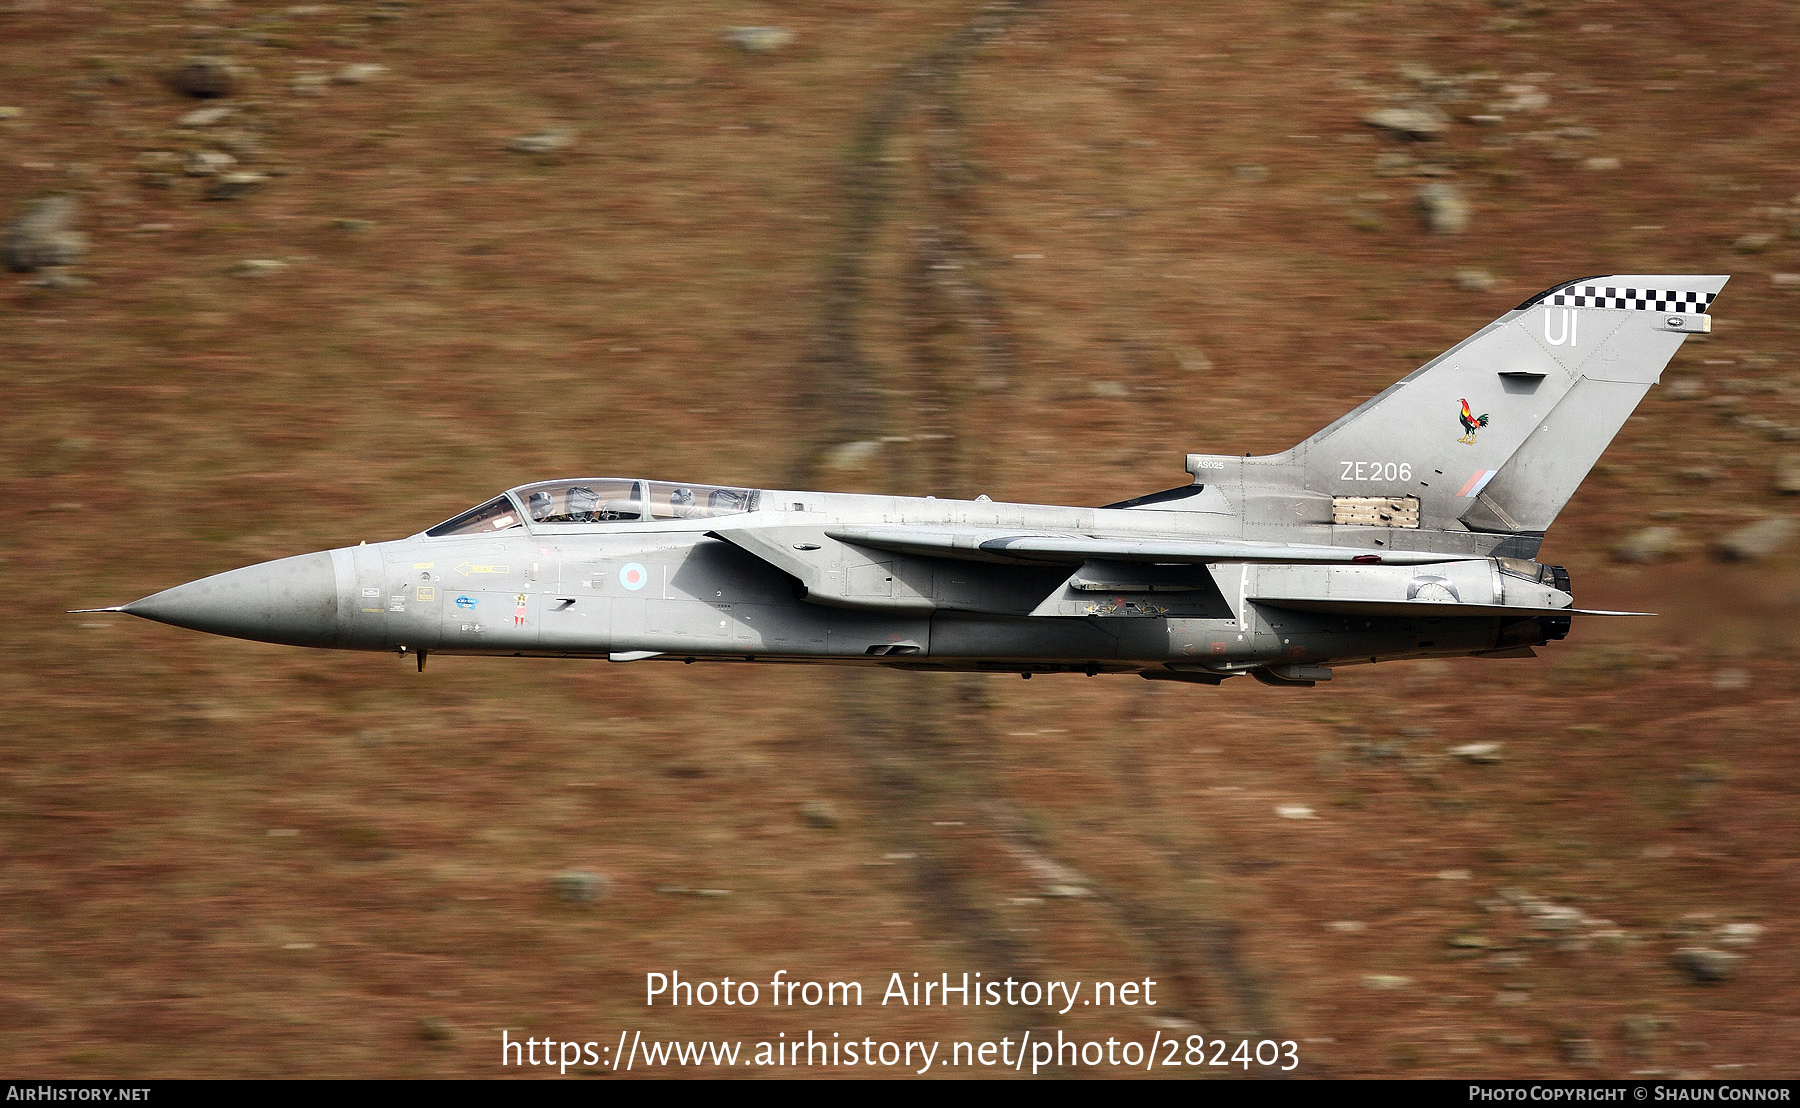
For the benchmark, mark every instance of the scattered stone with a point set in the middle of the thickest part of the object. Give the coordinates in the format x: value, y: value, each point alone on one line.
x: 232, y: 186
x: 1787, y: 474
x: 1386, y: 981
x: 1367, y: 221
x: 1739, y: 934
x: 359, y: 73
x: 1109, y: 390
x: 1446, y: 209
x: 239, y: 143
x: 1347, y: 926
x: 1487, y: 119
x: 1475, y: 280
x: 758, y: 40
x: 8, y: 114
x: 543, y: 142
x: 1686, y: 389
x: 208, y: 163
x: 435, y: 1030
x: 1192, y: 360
x: 579, y: 886
x: 1479, y: 754
x: 1706, y: 965
x: 1064, y: 892
x: 40, y: 238
x: 1639, y: 1033
x: 1468, y: 940
x: 818, y: 813
x: 205, y: 78
x: 1753, y: 243
x: 1600, y: 165
x: 1418, y: 124
x: 1556, y: 917
x: 353, y: 226
x: 1520, y: 98
x: 310, y: 84
x: 1650, y: 544
x: 852, y: 455
x: 1295, y: 811
x: 1756, y: 540
x: 205, y: 117
x: 1512, y: 998
x: 258, y: 267
x: 1785, y: 280
x: 1250, y: 172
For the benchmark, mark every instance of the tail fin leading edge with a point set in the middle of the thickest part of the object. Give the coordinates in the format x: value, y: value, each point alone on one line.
x: 1499, y: 431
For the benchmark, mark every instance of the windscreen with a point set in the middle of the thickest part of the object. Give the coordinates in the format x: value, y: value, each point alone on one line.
x: 496, y: 515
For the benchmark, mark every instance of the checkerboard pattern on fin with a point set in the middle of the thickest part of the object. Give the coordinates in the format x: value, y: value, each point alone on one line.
x: 1642, y: 300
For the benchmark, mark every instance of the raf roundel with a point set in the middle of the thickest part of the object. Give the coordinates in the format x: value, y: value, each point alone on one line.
x: 633, y: 576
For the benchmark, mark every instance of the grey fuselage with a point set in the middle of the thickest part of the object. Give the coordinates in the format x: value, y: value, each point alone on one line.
x: 782, y: 583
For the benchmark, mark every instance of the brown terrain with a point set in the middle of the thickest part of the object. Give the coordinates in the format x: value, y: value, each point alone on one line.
x: 425, y: 251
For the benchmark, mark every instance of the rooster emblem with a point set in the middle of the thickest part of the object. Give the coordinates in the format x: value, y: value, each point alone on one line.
x: 1471, y: 423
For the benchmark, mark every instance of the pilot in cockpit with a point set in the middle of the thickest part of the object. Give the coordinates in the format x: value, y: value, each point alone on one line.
x: 540, y: 506
x: 681, y: 502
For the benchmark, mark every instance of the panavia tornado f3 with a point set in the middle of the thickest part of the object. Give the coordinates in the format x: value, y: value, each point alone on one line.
x: 1409, y: 528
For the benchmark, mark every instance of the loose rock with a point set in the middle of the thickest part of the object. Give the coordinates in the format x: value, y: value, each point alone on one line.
x: 818, y: 813
x: 359, y: 73
x: 1475, y: 280
x: 1520, y: 98
x: 435, y: 1030
x: 1479, y: 754
x: 852, y: 455
x: 1651, y: 544
x: 258, y: 267
x: 1418, y: 124
x: 1706, y: 965
x: 1787, y: 474
x: 1739, y: 934
x: 1753, y: 243
x: 1386, y: 981
x: 1446, y: 209
x: 208, y: 163
x: 758, y: 40
x: 205, y: 78
x: 579, y: 886
x: 40, y: 238
x: 543, y: 142
x: 1756, y: 540
x: 204, y: 117
x: 231, y: 186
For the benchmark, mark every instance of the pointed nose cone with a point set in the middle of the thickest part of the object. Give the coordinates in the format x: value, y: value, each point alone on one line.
x: 292, y: 601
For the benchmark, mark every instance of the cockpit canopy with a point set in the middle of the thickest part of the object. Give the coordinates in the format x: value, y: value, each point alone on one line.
x: 592, y: 500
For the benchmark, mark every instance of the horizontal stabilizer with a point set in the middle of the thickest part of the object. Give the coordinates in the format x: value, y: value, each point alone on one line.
x: 1422, y: 609
x: 984, y: 544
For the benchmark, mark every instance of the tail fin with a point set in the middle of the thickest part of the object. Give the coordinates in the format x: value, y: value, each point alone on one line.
x: 1497, y: 433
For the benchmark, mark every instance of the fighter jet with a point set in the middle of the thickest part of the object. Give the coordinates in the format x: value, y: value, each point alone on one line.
x: 1408, y: 528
